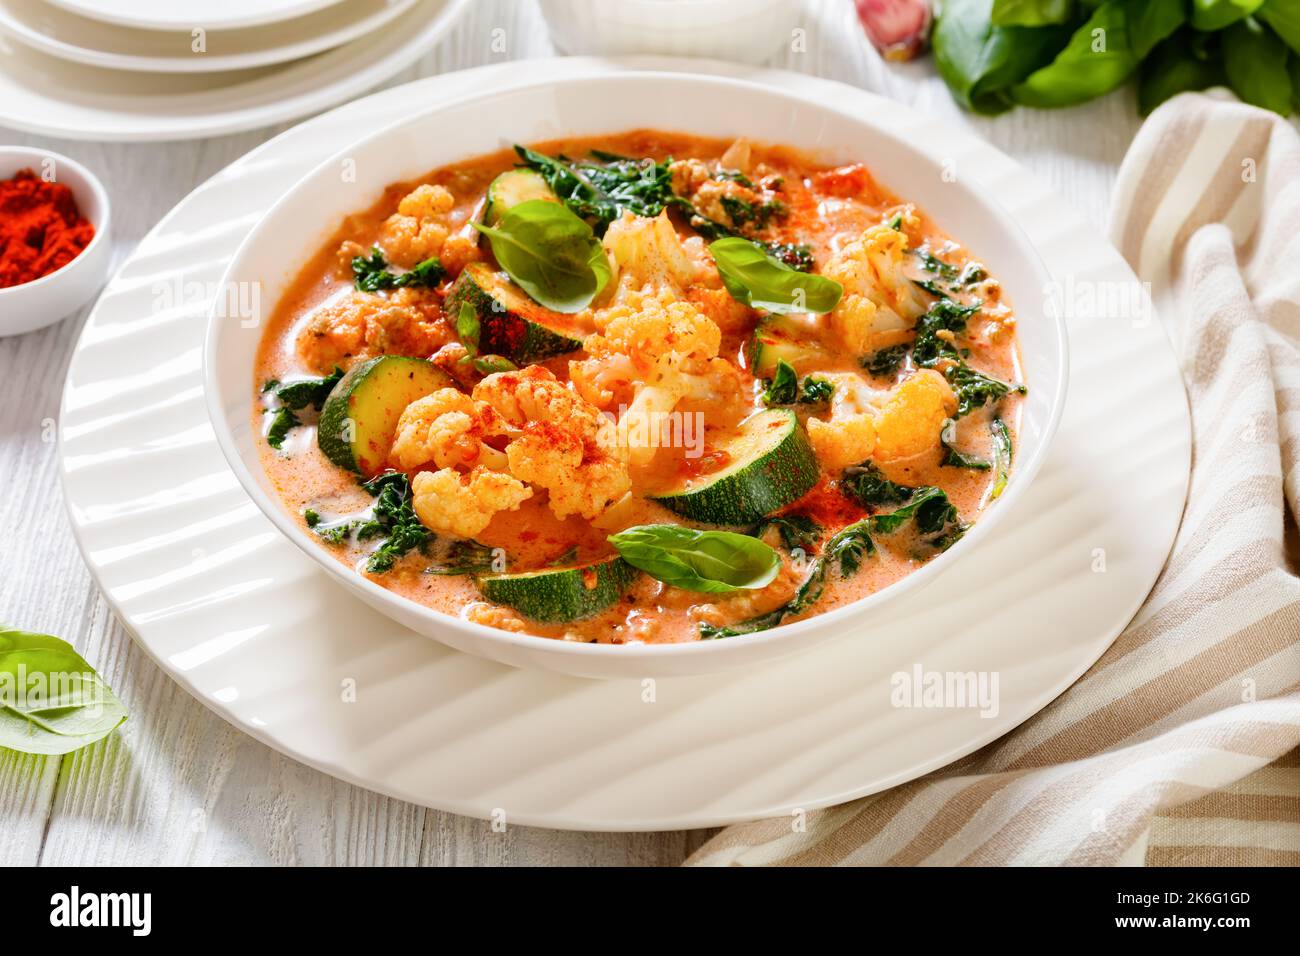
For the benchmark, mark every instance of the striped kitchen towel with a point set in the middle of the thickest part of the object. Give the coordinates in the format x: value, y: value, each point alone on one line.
x: 1180, y: 745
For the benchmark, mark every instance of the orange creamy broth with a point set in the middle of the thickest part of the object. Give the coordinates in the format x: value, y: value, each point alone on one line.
x: 827, y: 207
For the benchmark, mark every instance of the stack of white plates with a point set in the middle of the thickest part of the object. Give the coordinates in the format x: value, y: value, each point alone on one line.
x: 175, y: 69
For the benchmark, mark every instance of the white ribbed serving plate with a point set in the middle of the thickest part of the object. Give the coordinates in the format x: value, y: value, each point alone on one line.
x: 257, y: 632
x: 45, y: 94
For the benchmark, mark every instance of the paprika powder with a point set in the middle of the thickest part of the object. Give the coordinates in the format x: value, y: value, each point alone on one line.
x: 41, y: 229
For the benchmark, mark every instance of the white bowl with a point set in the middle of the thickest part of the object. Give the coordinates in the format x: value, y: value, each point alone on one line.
x: 34, y: 305
x: 747, y: 31
x: 305, y: 217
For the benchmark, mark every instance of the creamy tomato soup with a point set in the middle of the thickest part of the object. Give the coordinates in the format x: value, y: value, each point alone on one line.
x: 643, y: 387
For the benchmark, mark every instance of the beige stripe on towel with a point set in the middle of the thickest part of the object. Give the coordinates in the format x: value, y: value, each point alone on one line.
x: 1182, y: 744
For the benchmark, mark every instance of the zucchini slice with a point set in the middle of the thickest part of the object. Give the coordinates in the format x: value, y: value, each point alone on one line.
x: 510, y: 323
x: 776, y: 338
x: 558, y: 595
x: 769, y: 464
x: 510, y: 189
x: 359, y: 419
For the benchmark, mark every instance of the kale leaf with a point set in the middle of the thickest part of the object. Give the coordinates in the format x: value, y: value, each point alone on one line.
x: 867, y: 485
x: 815, y: 391
x: 795, y: 531
x: 371, y: 274
x: 394, y: 519
x: 601, y: 189
x: 463, y: 557
x: 953, y: 458
x: 945, y: 315
x: 784, y: 388
x: 309, y: 391
x: 886, y: 361
x: 283, y: 421
x: 294, y: 397
x: 974, y: 389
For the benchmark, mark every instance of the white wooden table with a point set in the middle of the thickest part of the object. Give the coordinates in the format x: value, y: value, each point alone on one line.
x: 176, y: 784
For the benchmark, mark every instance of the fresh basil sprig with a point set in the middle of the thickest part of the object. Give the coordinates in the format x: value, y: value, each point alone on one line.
x: 763, y: 282
x: 550, y: 253
x: 713, y: 562
x: 51, y: 700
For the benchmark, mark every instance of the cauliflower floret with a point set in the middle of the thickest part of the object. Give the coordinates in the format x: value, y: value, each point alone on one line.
x: 581, y: 477
x: 405, y: 322
x: 848, y: 437
x: 451, y: 503
x: 420, y: 226
x: 719, y: 305
x: 448, y: 428
x: 648, y: 254
x: 491, y: 615
x: 649, y: 325
x: 668, y: 352
x: 533, y: 394
x: 880, y: 304
x: 910, y: 422
x: 566, y: 446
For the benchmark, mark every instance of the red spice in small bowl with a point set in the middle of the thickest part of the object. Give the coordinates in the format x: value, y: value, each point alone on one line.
x: 41, y: 229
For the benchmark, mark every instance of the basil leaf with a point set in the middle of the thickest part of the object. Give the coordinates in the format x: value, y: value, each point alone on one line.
x: 758, y: 280
x: 1102, y: 53
x: 1255, y: 61
x: 980, y: 61
x: 847, y: 547
x: 550, y: 253
x: 1284, y: 17
x: 1031, y: 13
x: 712, y: 562
x: 1210, y: 15
x: 51, y: 700
x: 1174, y: 68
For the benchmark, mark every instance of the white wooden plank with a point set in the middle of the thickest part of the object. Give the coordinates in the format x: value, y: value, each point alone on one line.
x: 179, y: 785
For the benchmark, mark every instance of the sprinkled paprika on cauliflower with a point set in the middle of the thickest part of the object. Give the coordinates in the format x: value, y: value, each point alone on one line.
x: 449, y: 429
x: 565, y: 445
x: 664, y: 351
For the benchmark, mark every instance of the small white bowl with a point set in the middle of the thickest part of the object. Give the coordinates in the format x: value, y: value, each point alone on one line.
x: 34, y: 305
x: 745, y: 31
